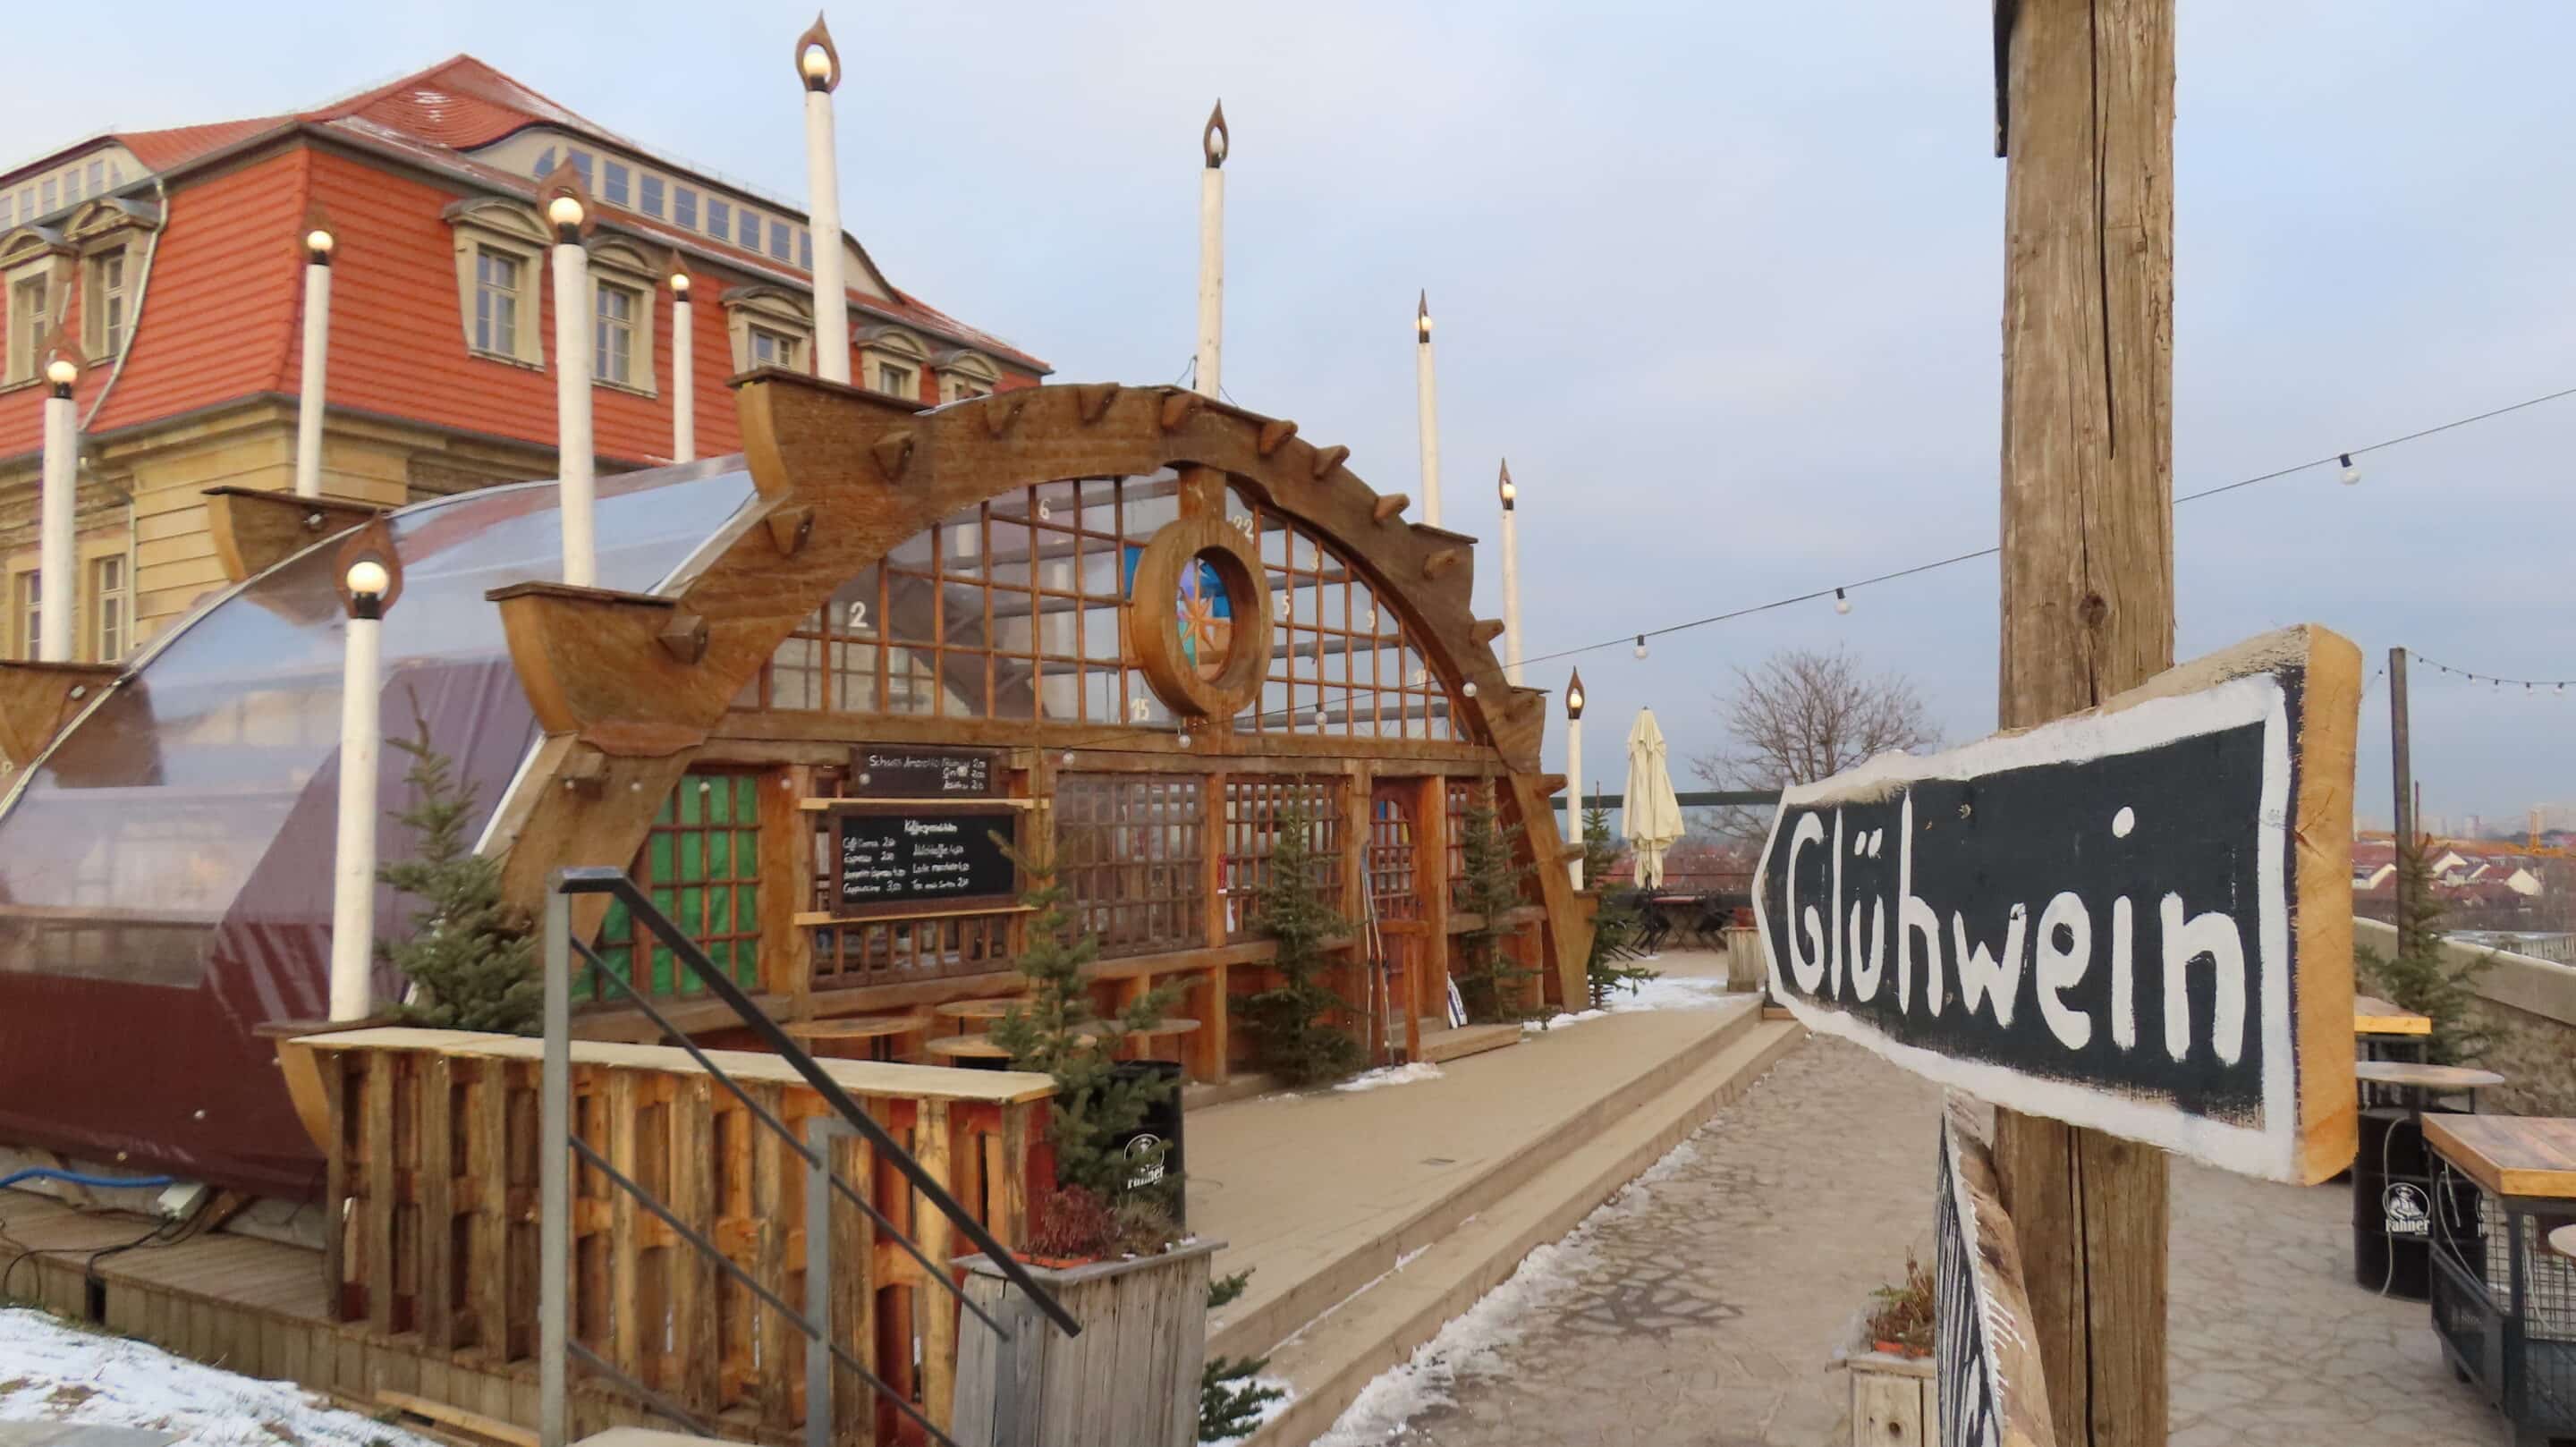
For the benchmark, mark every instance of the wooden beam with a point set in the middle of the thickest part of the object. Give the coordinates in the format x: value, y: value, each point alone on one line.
x: 38, y: 699
x: 2088, y: 604
x: 254, y: 530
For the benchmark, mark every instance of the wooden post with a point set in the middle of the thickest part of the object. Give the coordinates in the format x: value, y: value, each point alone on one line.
x: 2401, y: 767
x: 2088, y: 599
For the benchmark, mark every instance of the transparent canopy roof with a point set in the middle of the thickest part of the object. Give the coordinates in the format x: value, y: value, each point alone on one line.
x: 178, y: 838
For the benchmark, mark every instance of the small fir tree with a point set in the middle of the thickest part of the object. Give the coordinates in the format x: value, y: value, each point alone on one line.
x: 470, y: 957
x: 1618, y: 921
x: 1060, y: 1033
x: 1492, y: 984
x: 2419, y: 977
x: 1230, y: 1401
x: 1291, y: 1021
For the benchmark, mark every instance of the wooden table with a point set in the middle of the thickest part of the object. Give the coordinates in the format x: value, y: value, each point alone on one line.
x: 2502, y: 1299
x: 2512, y: 1155
x: 879, y: 1032
x: 2430, y: 1080
x: 2563, y: 1242
x: 975, y: 1051
x: 2387, y: 1032
x: 980, y: 1009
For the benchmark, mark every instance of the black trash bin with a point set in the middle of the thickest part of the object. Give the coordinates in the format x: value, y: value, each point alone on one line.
x: 2393, y: 1205
x: 1161, y: 1126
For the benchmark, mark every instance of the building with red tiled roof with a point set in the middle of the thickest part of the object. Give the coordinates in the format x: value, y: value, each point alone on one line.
x: 172, y: 259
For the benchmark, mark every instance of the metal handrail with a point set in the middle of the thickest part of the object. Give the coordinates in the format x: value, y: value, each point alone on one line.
x: 779, y: 1128
x: 598, y: 880
x: 556, y: 1349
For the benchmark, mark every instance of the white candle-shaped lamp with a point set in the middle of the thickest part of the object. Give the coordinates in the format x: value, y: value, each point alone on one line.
x: 567, y: 212
x: 55, y: 586
x: 1213, y: 142
x: 319, y: 241
x: 684, y: 372
x: 818, y: 67
x: 1426, y: 398
x: 1511, y: 576
x: 370, y: 577
x: 1574, y: 773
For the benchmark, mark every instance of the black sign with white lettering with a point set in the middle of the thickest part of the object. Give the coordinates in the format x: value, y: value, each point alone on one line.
x: 933, y: 858
x: 2091, y: 921
x: 900, y: 771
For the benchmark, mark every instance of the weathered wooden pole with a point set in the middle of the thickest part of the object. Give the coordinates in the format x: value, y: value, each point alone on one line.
x: 1214, y: 139
x: 2085, y: 114
x: 2401, y: 767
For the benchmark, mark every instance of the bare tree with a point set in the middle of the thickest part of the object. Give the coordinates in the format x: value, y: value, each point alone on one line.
x: 1802, y: 716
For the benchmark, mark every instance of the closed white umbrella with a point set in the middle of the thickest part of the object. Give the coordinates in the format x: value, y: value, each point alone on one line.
x: 1651, y: 817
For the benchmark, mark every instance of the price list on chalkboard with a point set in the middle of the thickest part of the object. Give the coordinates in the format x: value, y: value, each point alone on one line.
x: 897, y: 771
x: 899, y: 858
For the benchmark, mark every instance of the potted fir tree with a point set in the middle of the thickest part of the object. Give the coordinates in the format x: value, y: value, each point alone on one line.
x: 1106, y: 1240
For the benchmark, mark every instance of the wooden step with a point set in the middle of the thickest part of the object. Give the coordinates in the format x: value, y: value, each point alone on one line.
x: 1440, y: 1045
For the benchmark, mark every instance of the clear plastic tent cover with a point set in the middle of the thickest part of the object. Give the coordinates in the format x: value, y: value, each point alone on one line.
x: 165, y: 870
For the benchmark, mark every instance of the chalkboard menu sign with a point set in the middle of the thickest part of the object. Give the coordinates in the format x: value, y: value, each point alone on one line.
x: 900, y: 858
x: 900, y: 771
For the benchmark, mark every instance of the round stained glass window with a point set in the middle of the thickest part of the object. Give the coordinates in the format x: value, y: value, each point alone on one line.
x: 1205, y: 619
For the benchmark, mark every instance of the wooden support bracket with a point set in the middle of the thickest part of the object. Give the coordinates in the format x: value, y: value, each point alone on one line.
x: 38, y: 699
x: 585, y: 772
x: 1486, y: 630
x: 1002, y: 412
x: 1091, y: 400
x: 789, y: 527
x: 585, y: 658
x: 254, y: 530
x: 1551, y: 785
x: 684, y: 636
x: 1388, y: 506
x: 1328, y: 458
x: 893, y: 453
x: 1441, y: 562
x: 1273, y: 432
x: 1179, y: 405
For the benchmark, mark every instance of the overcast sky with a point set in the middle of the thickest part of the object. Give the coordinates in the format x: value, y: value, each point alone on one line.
x: 1721, y: 280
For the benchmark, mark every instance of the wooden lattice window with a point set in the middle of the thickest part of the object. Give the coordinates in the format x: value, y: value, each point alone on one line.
x: 1131, y: 850
x: 1394, y: 864
x: 1254, y: 808
x: 1460, y: 793
x: 1343, y: 662
x: 1011, y: 608
x: 700, y: 865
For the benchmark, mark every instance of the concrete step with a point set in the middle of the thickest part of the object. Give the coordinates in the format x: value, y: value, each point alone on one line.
x: 1333, y: 1358
x: 1440, y: 1045
x: 1253, y: 1326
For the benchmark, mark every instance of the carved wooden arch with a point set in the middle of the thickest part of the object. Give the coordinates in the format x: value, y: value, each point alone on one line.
x: 627, y: 688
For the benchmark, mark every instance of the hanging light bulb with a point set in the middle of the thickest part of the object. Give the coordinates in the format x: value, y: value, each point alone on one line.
x: 1841, y: 604
x: 2351, y: 473
x: 1468, y: 688
x: 1184, y: 740
x: 1641, y: 645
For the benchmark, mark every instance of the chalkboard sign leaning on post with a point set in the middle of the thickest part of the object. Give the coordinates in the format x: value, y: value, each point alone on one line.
x: 2137, y: 919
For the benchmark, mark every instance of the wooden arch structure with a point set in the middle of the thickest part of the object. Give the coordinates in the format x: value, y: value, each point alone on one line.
x: 631, y: 691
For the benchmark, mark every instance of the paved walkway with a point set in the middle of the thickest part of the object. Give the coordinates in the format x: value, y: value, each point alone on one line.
x: 1700, y: 1309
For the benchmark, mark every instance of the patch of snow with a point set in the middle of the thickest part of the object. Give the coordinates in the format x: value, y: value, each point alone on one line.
x: 1472, y: 1342
x: 1688, y: 992
x: 1386, y: 1075
x: 57, y: 1373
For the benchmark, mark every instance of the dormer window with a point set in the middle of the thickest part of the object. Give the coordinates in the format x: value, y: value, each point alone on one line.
x: 500, y: 266
x: 771, y: 327
x: 964, y: 374
x: 622, y: 281
x: 892, y: 361
x: 108, y: 303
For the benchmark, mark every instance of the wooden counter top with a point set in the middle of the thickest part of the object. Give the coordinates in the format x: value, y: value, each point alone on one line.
x: 859, y: 1077
x: 2374, y: 1016
x: 2511, y: 1155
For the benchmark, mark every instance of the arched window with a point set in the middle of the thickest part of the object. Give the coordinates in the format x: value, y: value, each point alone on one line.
x: 1015, y: 609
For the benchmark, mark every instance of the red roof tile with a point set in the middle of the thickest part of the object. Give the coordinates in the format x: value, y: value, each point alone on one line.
x: 460, y: 102
x: 161, y: 150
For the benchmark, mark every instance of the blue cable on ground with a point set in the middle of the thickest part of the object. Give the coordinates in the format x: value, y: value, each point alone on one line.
x: 48, y: 1173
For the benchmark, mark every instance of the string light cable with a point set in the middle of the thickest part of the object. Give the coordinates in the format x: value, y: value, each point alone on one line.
x: 2341, y: 460
x: 2497, y: 681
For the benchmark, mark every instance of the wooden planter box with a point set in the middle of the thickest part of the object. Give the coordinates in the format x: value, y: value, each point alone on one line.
x: 1130, y: 1380
x: 1891, y: 1400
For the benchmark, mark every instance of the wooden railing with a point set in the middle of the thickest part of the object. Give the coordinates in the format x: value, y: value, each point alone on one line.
x: 433, y: 1177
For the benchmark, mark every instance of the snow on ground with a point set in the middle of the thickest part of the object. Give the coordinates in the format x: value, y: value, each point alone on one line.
x: 1665, y: 992
x: 1386, y: 1075
x: 53, y: 1372
x: 1473, y: 1341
